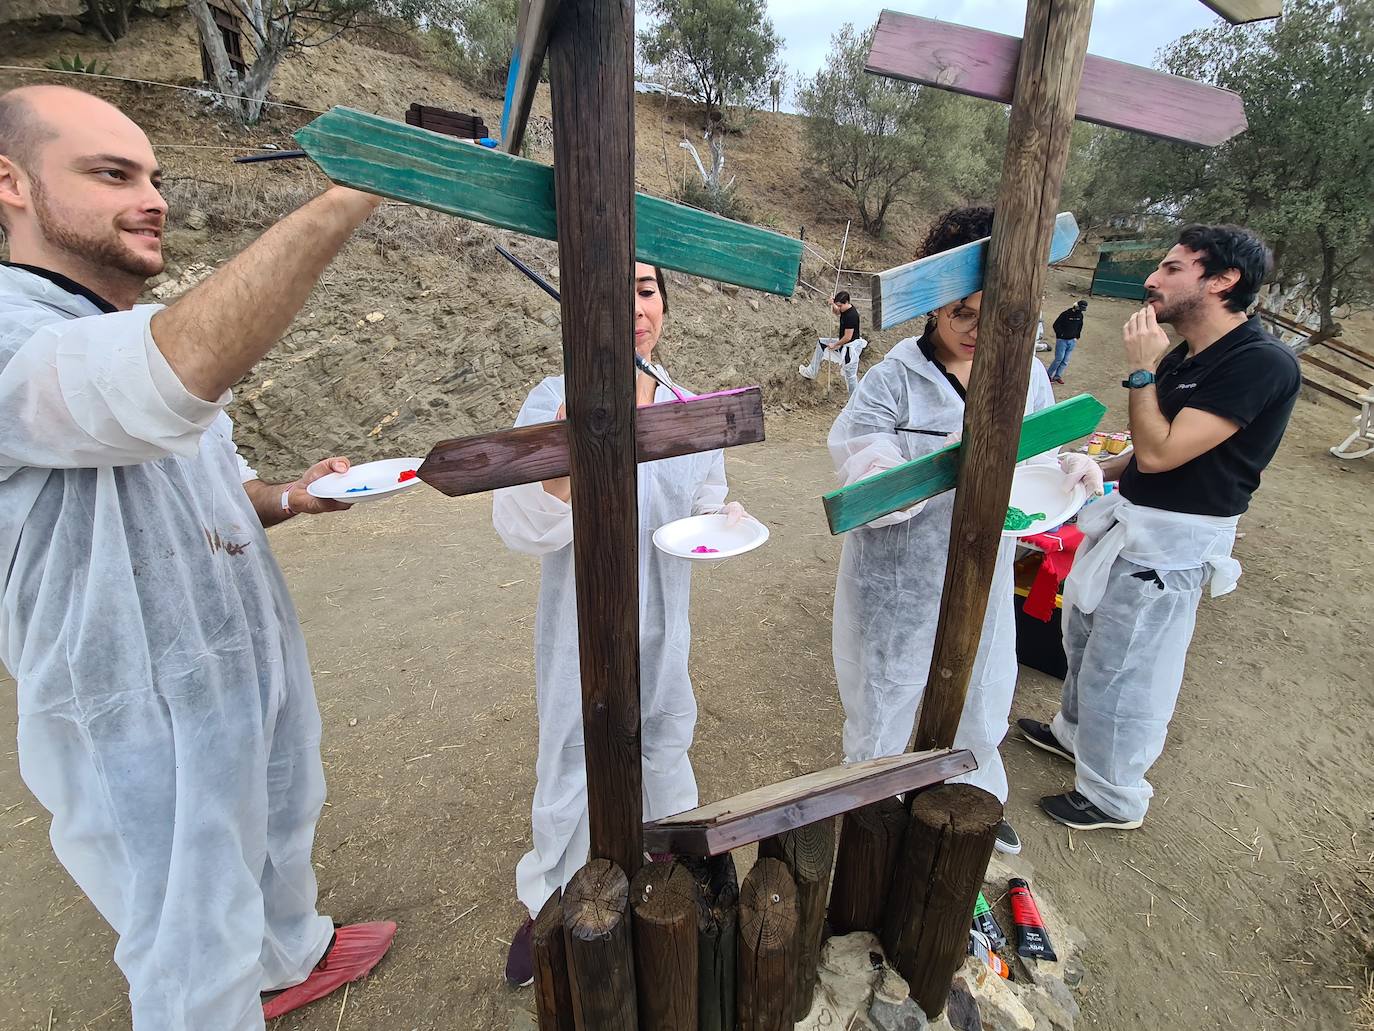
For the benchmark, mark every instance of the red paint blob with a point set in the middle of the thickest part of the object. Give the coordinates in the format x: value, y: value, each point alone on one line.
x: 409, y: 474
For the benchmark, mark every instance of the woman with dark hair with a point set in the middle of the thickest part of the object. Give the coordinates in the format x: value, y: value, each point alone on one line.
x: 892, y: 572
x: 536, y: 518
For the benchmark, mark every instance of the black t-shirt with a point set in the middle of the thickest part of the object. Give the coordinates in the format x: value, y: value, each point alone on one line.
x: 927, y: 346
x: 849, y: 319
x: 1248, y: 377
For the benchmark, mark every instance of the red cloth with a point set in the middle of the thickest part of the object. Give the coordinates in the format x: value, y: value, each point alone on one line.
x: 356, y: 950
x: 1059, y: 547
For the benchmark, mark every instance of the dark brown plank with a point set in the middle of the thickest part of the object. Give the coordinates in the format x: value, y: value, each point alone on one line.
x: 717, y: 939
x: 1335, y: 370
x: 766, y: 975
x: 763, y: 812
x: 809, y: 855
x: 1056, y: 40
x: 596, y: 924
x: 663, y: 899
x: 472, y: 465
x: 552, y: 990
x: 1335, y: 392
x: 983, y: 64
x: 1350, y: 351
x: 870, y: 839
x: 592, y: 83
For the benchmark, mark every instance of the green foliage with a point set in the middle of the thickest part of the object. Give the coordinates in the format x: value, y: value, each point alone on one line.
x: 481, y: 38
x: 719, y: 52
x: 889, y: 141
x: 75, y: 63
x: 723, y: 200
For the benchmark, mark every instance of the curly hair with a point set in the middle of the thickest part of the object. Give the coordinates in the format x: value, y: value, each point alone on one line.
x: 955, y: 228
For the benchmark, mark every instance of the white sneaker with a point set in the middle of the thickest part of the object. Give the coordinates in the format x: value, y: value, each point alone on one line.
x: 805, y: 372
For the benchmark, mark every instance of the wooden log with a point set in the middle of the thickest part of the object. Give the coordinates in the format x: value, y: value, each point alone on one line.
x: 1238, y: 12
x: 1056, y: 39
x: 552, y: 989
x: 939, y: 471
x: 984, y: 64
x: 407, y: 163
x: 809, y: 855
x: 766, y: 977
x: 870, y: 839
x: 526, y: 63
x: 591, y: 79
x: 1335, y: 370
x: 944, y: 855
x: 596, y: 924
x: 1350, y: 351
x: 754, y: 815
x: 663, y: 899
x: 486, y: 461
x: 910, y: 291
x: 717, y: 939
x: 1330, y: 391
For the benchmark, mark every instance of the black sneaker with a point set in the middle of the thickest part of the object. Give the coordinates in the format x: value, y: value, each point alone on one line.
x: 1074, y: 810
x: 1041, y: 736
x: 520, y: 959
x: 1008, y: 840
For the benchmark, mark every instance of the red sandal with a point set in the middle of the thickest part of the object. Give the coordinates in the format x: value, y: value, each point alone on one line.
x: 355, y: 950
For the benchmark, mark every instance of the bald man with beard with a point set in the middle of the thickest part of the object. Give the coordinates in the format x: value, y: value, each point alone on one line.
x: 167, y: 717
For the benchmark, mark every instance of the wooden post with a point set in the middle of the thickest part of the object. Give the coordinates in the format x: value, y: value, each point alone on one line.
x: 663, y: 899
x: 870, y: 840
x: 717, y: 939
x: 552, y: 990
x: 767, y: 982
x: 809, y: 854
x: 935, y: 885
x: 596, y: 921
x: 592, y: 83
x: 1047, y: 76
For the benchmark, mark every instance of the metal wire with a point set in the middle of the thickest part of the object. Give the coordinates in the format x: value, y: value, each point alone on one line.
x: 149, y: 82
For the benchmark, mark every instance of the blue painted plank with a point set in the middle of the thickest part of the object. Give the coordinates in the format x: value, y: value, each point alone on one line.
x: 910, y: 291
x: 526, y: 64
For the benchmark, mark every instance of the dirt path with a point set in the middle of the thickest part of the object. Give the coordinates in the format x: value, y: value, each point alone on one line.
x: 1218, y: 914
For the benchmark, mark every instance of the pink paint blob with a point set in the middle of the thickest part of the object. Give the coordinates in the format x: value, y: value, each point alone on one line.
x: 702, y: 549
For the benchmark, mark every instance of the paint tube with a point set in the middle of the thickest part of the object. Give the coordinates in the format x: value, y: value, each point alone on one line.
x: 979, y: 946
x: 984, y: 921
x: 1032, y: 940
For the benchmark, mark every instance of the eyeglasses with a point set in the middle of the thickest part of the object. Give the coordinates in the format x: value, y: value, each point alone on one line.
x: 964, y: 321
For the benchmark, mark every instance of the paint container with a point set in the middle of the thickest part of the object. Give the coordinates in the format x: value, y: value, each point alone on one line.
x: 1032, y: 940
x: 1116, y: 443
x: 980, y: 946
x: 1095, y: 444
x: 984, y: 921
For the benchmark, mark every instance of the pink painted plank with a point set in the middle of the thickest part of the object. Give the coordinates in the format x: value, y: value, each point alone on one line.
x: 1124, y: 96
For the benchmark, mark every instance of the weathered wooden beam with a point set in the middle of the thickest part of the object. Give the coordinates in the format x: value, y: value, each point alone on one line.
x: 591, y: 79
x: 983, y: 64
x: 1238, y: 12
x: 663, y: 899
x: 717, y: 939
x: 809, y: 855
x: 763, y: 812
x: 552, y: 989
x: 486, y: 461
x: 910, y: 291
x: 596, y: 924
x: 396, y: 160
x: 870, y: 839
x: 766, y: 980
x: 526, y: 63
x: 939, y: 471
x: 1047, y: 77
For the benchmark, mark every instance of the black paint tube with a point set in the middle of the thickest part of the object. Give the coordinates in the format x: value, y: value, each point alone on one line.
x: 984, y: 921
x: 1032, y: 940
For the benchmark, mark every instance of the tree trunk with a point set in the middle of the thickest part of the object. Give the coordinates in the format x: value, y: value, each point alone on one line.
x: 226, y: 81
x: 1326, y: 283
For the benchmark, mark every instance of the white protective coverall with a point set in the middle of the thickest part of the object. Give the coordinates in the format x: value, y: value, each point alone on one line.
x: 166, y: 714
x: 531, y: 520
x: 892, y: 574
x: 1130, y: 603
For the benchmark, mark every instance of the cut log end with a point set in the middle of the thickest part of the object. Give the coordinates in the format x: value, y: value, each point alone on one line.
x: 594, y: 904
x: 768, y: 907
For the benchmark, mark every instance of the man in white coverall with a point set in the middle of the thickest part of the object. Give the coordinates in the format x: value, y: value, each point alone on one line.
x: 166, y: 714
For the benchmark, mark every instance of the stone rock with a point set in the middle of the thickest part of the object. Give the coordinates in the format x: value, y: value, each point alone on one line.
x: 375, y: 316
x: 850, y: 966
x: 754, y: 303
x: 197, y: 219
x: 550, y: 319
x: 902, y: 1016
x: 705, y: 288
x: 999, y: 1005
x: 1045, y: 1005
x: 729, y: 289
x: 961, y: 1009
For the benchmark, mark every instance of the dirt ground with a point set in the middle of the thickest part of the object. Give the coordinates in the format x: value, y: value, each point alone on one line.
x: 1244, y: 901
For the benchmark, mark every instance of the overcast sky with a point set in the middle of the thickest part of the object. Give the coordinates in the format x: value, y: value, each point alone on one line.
x: 1127, y: 30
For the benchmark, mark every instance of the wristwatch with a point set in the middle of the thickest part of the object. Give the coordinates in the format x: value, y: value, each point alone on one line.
x: 1139, y: 378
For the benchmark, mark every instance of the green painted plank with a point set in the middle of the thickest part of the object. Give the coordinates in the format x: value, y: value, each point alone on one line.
x: 933, y: 474
x: 406, y: 163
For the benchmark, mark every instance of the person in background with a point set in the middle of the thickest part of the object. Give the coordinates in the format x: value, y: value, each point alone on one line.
x: 892, y: 570
x: 1206, y: 418
x: 1067, y: 329
x: 849, y: 333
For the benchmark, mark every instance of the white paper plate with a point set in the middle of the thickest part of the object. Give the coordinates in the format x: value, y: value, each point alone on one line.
x: 366, y: 482
x: 681, y: 537
x: 1043, y: 488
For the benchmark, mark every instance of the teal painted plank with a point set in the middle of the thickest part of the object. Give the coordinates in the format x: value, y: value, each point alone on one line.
x: 910, y: 291
x: 406, y: 163
x: 933, y: 474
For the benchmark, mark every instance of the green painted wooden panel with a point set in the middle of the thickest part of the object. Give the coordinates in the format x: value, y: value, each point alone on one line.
x: 396, y: 160
x: 933, y: 474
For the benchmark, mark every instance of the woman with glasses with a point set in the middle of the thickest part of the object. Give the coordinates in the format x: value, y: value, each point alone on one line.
x: 887, y: 597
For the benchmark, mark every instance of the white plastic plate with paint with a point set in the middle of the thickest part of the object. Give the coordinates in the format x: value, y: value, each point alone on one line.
x: 683, y: 537
x: 366, y: 482
x: 1044, y: 488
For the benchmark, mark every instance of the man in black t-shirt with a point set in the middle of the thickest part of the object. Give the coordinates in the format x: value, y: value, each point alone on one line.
x: 1206, y: 418
x: 848, y: 343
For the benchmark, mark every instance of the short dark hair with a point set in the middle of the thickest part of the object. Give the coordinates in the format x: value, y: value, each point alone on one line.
x: 842, y: 297
x: 1231, y: 247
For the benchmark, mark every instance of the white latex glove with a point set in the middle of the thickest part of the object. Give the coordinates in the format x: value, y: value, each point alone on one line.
x: 734, y: 512
x: 1082, y: 469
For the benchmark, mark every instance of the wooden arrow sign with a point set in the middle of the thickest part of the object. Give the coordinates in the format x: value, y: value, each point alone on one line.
x: 396, y: 160
x: 1124, y: 96
x: 911, y: 290
x: 933, y: 474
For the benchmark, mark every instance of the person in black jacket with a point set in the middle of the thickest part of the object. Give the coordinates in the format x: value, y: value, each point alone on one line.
x: 1067, y: 329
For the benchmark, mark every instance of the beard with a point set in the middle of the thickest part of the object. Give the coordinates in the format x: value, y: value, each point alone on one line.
x: 1181, y: 307
x: 99, y: 247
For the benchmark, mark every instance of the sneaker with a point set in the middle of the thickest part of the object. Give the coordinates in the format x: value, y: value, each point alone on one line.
x: 1074, y: 810
x: 805, y: 372
x: 1041, y: 736
x: 1057, y: 379
x: 1008, y: 840
x: 520, y: 959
